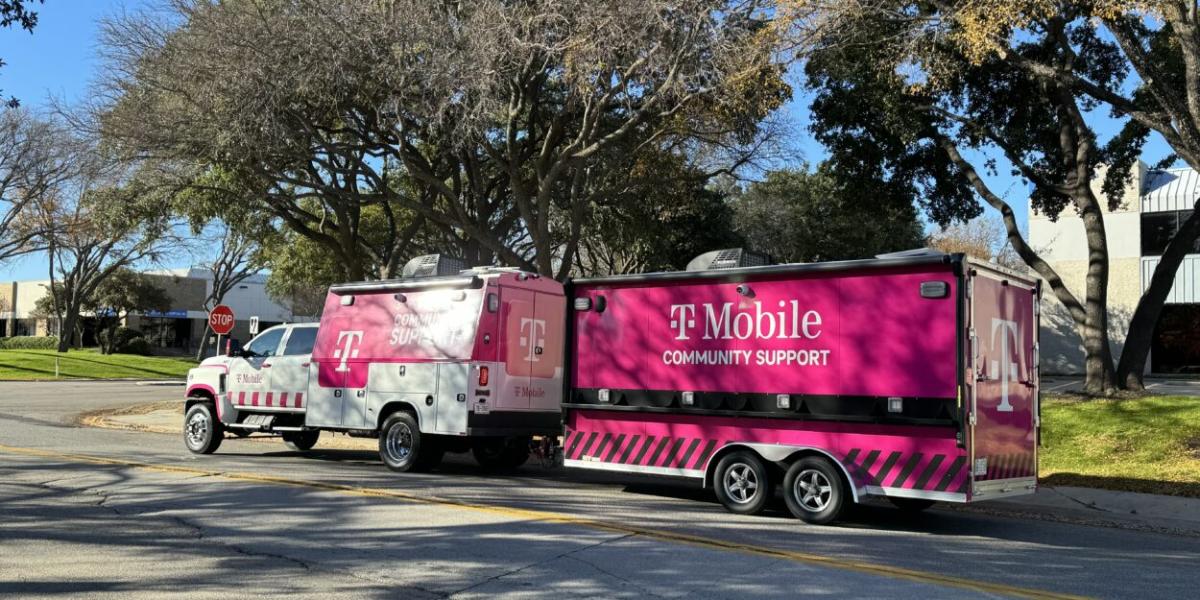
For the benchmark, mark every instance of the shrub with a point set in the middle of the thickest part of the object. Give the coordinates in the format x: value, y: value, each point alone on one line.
x: 29, y: 342
x: 116, y: 340
x: 138, y: 345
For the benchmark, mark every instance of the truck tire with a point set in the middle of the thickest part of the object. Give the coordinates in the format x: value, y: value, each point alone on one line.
x: 501, y: 454
x: 401, y: 444
x: 301, y: 441
x: 813, y: 490
x: 742, y: 483
x: 911, y: 505
x: 202, y: 432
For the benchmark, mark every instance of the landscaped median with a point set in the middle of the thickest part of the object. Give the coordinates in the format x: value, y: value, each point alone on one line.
x: 1149, y: 444
x: 33, y: 365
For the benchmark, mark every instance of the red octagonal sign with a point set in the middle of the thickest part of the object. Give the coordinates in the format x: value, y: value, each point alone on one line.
x: 221, y: 319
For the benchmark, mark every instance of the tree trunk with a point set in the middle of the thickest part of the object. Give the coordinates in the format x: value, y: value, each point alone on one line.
x: 66, y: 329
x: 1099, y: 377
x: 203, y: 343
x: 1149, y: 307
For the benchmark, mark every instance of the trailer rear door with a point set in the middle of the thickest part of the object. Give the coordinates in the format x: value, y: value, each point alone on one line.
x: 1003, y: 384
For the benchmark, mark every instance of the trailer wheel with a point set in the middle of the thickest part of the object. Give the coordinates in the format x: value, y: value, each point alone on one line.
x: 400, y: 443
x: 813, y: 490
x: 301, y: 441
x: 911, y: 505
x: 202, y: 432
x: 742, y: 483
x: 501, y: 454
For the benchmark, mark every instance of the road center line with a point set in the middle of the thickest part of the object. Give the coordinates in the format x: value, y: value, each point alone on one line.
x: 551, y: 517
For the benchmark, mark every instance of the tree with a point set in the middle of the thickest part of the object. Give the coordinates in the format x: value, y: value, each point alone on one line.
x: 108, y: 224
x: 17, y: 12
x: 983, y: 237
x: 1140, y: 59
x: 34, y: 161
x: 923, y: 126
x: 491, y: 122
x: 663, y: 216
x: 120, y: 294
x: 800, y: 216
x: 237, y: 258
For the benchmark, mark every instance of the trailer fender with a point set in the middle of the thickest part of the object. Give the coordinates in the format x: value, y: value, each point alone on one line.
x: 781, y: 455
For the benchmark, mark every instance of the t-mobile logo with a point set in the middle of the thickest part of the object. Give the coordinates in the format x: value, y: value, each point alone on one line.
x: 1003, y: 367
x: 683, y: 319
x: 533, y: 337
x: 347, y: 348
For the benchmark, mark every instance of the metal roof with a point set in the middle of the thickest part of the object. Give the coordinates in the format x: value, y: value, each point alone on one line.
x: 1170, y: 189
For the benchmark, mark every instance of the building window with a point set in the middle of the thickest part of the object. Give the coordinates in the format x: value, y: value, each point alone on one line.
x: 1158, y: 228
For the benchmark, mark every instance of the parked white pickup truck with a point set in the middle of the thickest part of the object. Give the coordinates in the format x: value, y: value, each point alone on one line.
x: 427, y: 364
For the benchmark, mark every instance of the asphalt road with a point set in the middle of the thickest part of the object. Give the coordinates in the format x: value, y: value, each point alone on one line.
x: 115, y: 514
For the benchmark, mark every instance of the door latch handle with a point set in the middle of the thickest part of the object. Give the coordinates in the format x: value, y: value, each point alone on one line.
x: 266, y: 365
x: 537, y: 349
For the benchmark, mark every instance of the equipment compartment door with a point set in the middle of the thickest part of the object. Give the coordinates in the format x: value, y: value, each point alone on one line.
x: 519, y: 335
x: 1004, y: 402
x: 546, y: 362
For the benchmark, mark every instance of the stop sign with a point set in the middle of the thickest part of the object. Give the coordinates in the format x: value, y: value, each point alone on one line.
x: 221, y: 319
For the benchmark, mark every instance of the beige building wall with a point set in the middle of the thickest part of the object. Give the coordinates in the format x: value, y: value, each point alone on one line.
x: 1063, y: 244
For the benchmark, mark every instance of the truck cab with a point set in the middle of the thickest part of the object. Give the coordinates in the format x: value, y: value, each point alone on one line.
x: 445, y: 359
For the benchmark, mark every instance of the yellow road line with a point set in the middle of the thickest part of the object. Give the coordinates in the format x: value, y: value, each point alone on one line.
x: 551, y: 517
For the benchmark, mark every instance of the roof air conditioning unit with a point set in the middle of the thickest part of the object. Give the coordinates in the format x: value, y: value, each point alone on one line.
x: 431, y: 265
x: 731, y: 258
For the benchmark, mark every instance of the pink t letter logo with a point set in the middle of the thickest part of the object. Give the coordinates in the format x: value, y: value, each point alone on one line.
x: 1003, y: 367
x: 347, y: 348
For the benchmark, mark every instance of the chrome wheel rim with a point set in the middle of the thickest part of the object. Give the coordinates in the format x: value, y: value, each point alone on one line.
x: 813, y: 490
x: 197, y: 429
x: 741, y: 483
x: 399, y: 442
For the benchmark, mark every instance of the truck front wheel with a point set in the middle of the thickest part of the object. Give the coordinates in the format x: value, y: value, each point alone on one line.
x: 813, y: 490
x: 402, y: 447
x: 202, y: 432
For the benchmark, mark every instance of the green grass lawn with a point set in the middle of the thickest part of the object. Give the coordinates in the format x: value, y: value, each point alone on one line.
x: 1149, y: 444
x: 32, y: 365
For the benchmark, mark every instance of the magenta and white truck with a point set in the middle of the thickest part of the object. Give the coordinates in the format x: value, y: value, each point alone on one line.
x: 911, y: 377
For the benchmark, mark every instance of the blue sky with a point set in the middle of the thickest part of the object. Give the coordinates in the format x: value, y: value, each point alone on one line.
x: 59, y: 59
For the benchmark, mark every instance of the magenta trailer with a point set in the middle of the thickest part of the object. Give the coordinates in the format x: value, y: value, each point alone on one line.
x: 911, y: 377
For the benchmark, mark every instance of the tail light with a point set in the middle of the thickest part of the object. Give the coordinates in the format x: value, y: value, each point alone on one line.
x: 483, y: 376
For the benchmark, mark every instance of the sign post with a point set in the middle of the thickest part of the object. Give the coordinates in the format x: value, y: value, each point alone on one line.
x: 220, y: 319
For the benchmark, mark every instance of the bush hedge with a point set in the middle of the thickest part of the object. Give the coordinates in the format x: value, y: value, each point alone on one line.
x: 123, y: 340
x: 29, y: 342
x: 137, y: 345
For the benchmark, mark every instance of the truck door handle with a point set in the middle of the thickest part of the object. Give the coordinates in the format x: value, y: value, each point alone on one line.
x: 305, y: 364
x: 266, y: 365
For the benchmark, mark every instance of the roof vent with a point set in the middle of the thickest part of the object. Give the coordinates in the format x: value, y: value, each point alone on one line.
x: 731, y: 258
x: 432, y: 265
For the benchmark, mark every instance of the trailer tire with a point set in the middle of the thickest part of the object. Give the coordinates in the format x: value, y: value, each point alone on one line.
x: 400, y: 443
x: 501, y: 454
x: 911, y: 505
x: 202, y: 432
x: 301, y: 441
x: 742, y: 483
x: 813, y: 490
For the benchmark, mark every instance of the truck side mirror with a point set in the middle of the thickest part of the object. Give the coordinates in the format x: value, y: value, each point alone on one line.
x: 233, y: 347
